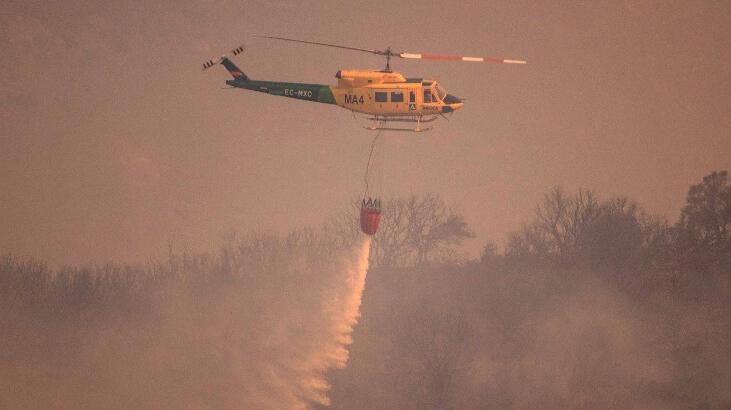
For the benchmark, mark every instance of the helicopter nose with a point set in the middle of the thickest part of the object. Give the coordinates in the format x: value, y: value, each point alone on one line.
x: 452, y: 107
x: 451, y: 99
x: 452, y: 103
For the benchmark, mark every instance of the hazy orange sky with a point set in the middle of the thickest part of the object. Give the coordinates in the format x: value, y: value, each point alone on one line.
x: 114, y: 143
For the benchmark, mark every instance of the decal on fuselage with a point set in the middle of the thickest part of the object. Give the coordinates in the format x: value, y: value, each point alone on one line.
x: 353, y: 99
x: 305, y: 94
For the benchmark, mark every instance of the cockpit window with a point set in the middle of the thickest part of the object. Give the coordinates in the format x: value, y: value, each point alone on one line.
x: 427, y: 96
x: 441, y: 92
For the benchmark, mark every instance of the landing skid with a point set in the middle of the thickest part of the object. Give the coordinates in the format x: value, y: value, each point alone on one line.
x: 379, y: 123
x: 417, y: 129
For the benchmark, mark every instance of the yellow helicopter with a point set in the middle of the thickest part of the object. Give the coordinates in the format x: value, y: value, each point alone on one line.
x: 383, y: 96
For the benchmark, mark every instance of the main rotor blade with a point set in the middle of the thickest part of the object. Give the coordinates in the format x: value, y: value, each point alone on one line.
x: 323, y: 44
x: 461, y: 58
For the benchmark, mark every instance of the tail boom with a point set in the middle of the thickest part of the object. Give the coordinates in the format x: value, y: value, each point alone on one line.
x: 300, y: 91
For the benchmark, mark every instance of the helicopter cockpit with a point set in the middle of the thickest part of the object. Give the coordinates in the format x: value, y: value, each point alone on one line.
x: 433, y: 92
x: 440, y: 91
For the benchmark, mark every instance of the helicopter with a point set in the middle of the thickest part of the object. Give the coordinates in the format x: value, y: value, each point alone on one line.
x: 384, y: 96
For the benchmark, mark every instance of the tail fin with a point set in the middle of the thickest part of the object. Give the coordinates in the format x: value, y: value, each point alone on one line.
x: 235, y: 71
x: 231, y: 67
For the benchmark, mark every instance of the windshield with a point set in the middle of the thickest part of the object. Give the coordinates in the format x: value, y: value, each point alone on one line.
x: 441, y: 92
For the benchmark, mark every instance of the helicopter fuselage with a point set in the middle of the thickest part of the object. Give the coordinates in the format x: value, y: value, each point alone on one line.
x: 376, y: 93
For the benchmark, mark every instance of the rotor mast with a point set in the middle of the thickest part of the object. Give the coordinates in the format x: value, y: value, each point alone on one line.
x: 388, y: 60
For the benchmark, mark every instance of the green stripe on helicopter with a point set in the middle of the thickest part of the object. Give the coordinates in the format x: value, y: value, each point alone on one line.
x: 301, y: 91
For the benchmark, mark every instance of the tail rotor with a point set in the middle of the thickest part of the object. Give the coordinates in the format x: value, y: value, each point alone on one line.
x: 231, y: 67
x: 233, y: 53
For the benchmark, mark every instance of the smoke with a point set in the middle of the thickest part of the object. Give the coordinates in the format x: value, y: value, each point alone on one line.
x: 585, y: 346
x: 514, y: 337
x: 259, y: 327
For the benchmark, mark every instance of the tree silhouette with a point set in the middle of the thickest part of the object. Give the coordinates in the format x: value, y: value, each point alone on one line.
x: 414, y: 230
x: 418, y: 230
x: 702, y: 234
x: 559, y: 227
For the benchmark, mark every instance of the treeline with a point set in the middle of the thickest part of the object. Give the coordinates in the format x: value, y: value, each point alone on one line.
x: 612, y: 236
x: 579, y: 230
x: 569, y: 230
x: 591, y: 304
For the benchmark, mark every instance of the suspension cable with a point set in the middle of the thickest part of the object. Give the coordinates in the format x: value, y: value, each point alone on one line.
x: 368, y: 166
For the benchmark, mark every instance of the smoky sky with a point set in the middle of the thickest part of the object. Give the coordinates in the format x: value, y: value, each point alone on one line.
x: 114, y: 144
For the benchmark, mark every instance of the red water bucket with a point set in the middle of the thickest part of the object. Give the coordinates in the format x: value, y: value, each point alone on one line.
x: 370, y: 217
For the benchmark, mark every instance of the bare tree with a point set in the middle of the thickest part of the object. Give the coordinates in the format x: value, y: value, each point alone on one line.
x: 580, y: 230
x: 560, y: 224
x: 433, y: 228
x: 418, y: 230
x: 552, y: 219
x: 414, y: 230
x: 390, y: 245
